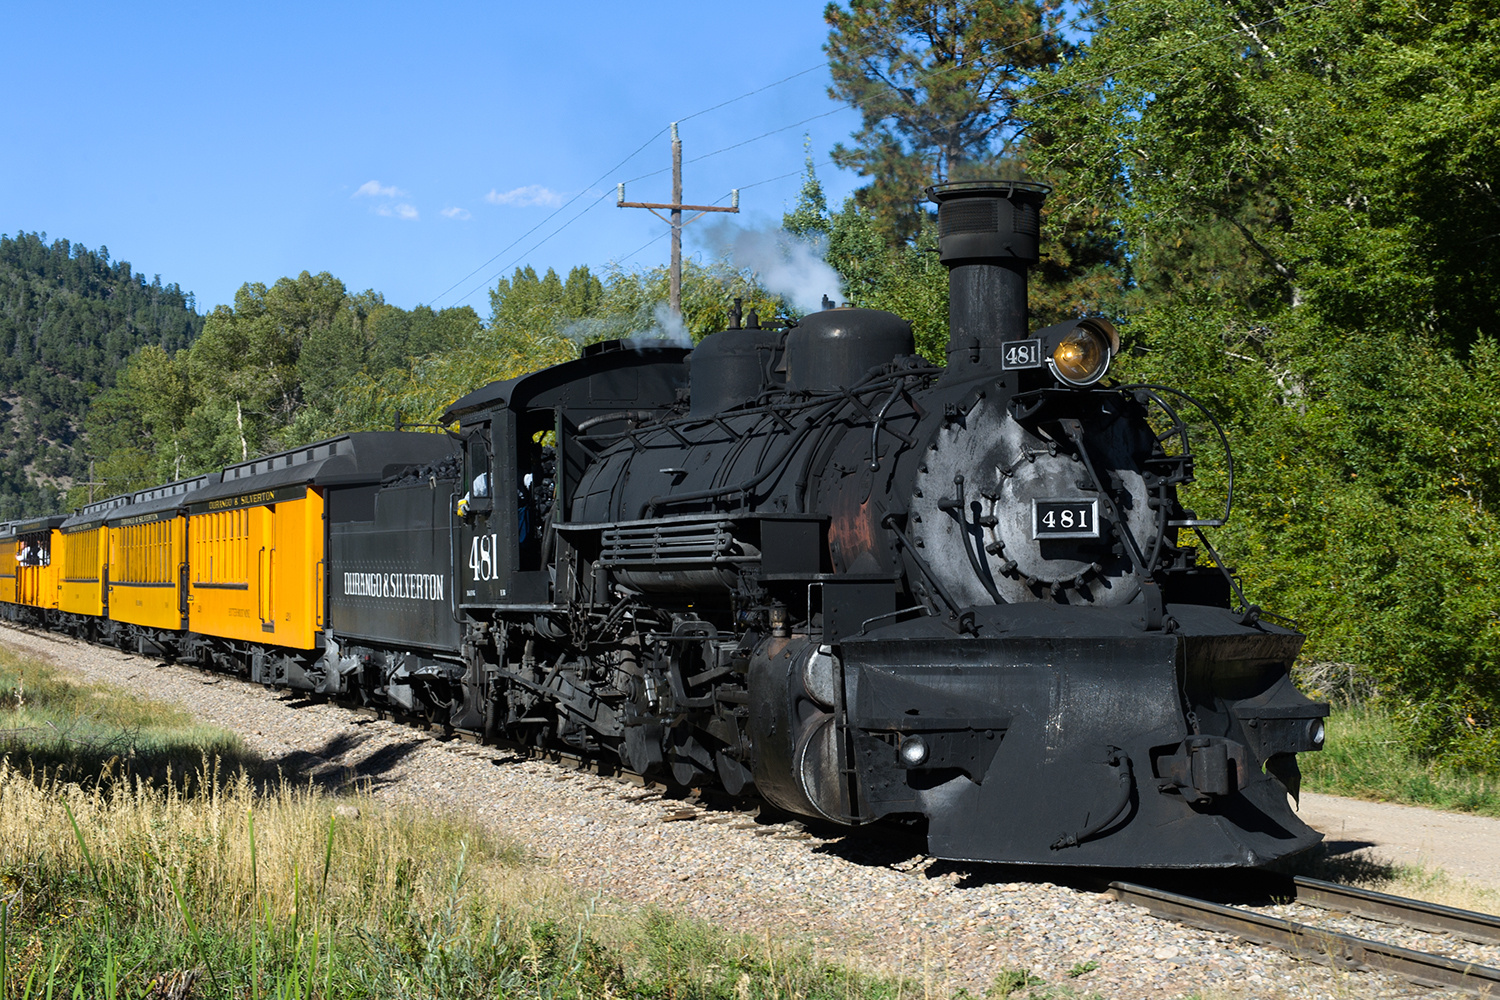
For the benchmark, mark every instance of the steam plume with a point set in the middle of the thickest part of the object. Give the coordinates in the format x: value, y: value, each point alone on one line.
x: 786, y: 265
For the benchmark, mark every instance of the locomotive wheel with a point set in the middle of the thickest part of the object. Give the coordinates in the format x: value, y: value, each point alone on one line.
x: 733, y: 775
x: 691, y: 761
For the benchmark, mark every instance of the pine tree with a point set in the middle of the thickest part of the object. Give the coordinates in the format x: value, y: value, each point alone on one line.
x: 936, y: 86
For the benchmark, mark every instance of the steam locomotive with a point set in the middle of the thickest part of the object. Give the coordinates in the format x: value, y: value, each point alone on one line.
x: 803, y: 563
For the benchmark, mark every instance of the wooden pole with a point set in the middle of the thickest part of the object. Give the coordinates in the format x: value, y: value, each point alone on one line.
x: 676, y: 208
x: 676, y: 295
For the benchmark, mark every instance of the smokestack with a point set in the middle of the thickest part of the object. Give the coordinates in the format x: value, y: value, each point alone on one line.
x: 988, y: 235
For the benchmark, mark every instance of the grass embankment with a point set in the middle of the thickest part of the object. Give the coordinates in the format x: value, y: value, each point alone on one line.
x: 129, y: 867
x: 1367, y: 758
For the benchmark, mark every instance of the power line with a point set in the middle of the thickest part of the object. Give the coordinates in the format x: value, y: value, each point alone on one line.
x: 1020, y: 98
x: 845, y: 105
x: 695, y: 114
x: 658, y: 238
x: 655, y: 239
x: 793, y: 76
x: 549, y: 218
x: 522, y: 256
x: 752, y: 93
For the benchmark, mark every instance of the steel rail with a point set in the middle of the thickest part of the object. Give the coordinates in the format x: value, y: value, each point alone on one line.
x: 1315, y: 944
x: 1480, y: 928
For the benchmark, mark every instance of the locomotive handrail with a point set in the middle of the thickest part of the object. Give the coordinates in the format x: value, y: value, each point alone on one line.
x: 1074, y: 429
x: 959, y: 510
x: 879, y: 420
x: 1223, y: 440
x: 965, y: 618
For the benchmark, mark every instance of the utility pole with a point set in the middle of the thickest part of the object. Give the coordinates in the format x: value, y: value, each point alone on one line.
x: 92, y: 482
x: 676, y: 208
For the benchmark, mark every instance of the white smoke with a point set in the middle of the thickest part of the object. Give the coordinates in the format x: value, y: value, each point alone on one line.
x: 661, y: 329
x: 668, y: 330
x: 784, y: 264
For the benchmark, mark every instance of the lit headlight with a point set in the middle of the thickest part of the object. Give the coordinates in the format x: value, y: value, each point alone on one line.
x: 1081, y: 356
x: 1079, y: 351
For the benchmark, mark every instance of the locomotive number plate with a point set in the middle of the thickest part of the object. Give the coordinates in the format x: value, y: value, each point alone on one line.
x: 1065, y: 518
x: 1021, y: 354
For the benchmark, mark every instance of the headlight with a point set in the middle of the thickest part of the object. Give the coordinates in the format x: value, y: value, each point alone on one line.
x: 1316, y: 732
x: 914, y: 751
x: 1081, y: 357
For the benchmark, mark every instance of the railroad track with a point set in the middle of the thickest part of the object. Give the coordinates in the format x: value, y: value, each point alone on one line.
x: 1305, y: 941
x: 1329, y: 947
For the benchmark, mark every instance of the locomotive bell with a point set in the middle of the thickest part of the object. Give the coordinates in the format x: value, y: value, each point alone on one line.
x: 989, y: 234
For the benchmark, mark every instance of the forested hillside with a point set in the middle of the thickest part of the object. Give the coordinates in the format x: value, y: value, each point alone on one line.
x: 69, y: 319
x: 270, y: 372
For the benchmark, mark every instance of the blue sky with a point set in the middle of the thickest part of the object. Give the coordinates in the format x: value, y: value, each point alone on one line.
x: 399, y: 147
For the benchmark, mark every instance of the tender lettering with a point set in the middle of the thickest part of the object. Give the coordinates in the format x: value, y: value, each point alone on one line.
x: 402, y: 586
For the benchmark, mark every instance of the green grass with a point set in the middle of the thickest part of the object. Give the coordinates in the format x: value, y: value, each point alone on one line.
x: 1366, y: 757
x: 74, y: 729
x: 160, y: 873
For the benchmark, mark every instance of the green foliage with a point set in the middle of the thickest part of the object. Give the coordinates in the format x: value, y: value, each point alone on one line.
x: 69, y: 318
x: 1369, y: 756
x: 905, y: 279
x: 1344, y: 146
x: 1306, y: 202
x: 1080, y: 273
x: 52, y: 723
x: 268, y: 373
x: 539, y: 321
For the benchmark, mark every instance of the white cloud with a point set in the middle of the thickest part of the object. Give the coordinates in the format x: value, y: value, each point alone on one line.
x: 402, y: 211
x: 523, y: 197
x: 456, y: 213
x: 374, y: 189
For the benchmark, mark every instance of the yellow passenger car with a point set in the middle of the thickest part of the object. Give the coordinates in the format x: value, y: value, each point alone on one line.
x: 148, y: 557
x: 36, y: 572
x: 82, y: 553
x: 7, y: 567
x: 257, y: 540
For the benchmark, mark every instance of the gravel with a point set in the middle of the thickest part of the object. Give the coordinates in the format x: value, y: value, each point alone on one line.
x: 870, y: 899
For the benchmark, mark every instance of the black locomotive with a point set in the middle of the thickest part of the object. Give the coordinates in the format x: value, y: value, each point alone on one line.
x: 807, y: 562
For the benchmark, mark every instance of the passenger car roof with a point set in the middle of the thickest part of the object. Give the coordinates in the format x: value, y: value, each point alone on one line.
x: 350, y: 459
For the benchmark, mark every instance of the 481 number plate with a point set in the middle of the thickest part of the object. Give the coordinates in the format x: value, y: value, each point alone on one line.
x: 1065, y: 518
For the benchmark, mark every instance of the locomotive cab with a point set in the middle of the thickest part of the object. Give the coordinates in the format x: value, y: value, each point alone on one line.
x: 514, y: 489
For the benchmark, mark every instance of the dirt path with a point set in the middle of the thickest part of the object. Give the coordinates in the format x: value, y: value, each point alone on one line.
x: 1464, y: 846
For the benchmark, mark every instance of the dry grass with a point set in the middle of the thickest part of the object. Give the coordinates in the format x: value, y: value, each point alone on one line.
x: 134, y: 864
x: 1437, y: 886
x: 242, y: 893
